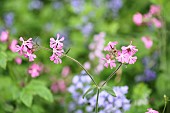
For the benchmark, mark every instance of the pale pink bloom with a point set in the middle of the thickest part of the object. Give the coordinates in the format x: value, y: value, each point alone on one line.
x: 12, y: 46
x: 30, y: 55
x: 132, y: 60
x: 147, y: 41
x: 26, y: 44
x: 58, y: 86
x: 65, y: 71
x: 58, y: 52
x: 34, y: 70
x: 19, y: 49
x: 56, y: 43
x: 109, y: 62
x: 4, y: 36
x: 56, y: 59
x: 154, y: 9
x: 137, y: 19
x: 110, y: 46
x: 87, y: 65
x: 131, y: 50
x: 18, y: 60
x: 150, y: 110
x: 122, y: 57
x: 157, y: 22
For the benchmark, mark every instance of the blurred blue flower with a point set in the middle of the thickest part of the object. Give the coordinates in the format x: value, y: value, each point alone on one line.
x: 107, y: 103
x: 87, y: 29
x: 35, y: 4
x: 8, y: 18
x: 77, y: 5
x: 149, y: 75
x: 115, y: 6
x: 57, y: 5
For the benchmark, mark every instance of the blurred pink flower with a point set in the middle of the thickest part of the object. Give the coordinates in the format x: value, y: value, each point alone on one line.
x: 30, y: 56
x: 147, y: 41
x: 150, y: 110
x: 157, y: 22
x: 18, y: 60
x: 4, y: 36
x: 58, y: 86
x: 12, y: 46
x: 110, y: 46
x: 109, y: 62
x: 132, y: 59
x: 137, y: 19
x: 154, y: 9
x: 87, y: 65
x: 34, y: 70
x: 65, y: 71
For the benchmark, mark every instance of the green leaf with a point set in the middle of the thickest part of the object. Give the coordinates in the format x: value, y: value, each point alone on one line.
x: 88, y: 91
x: 3, y: 60
x: 26, y: 97
x: 35, y: 87
x: 108, y: 90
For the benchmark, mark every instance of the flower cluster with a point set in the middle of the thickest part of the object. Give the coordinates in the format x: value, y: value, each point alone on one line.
x: 150, y: 110
x: 123, y: 56
x: 26, y: 49
x: 57, y: 46
x: 34, y: 70
x: 107, y: 103
x: 96, y: 48
x: 150, y: 18
x: 58, y: 86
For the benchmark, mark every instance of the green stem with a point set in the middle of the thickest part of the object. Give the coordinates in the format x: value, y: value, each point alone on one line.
x: 81, y: 67
x: 111, y: 75
x: 164, y: 108
x: 96, y: 109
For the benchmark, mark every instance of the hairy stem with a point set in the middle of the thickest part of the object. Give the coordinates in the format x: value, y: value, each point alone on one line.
x: 81, y: 67
x: 111, y: 75
x: 96, y: 108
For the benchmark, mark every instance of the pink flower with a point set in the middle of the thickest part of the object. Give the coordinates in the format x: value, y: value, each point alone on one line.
x: 131, y: 50
x: 110, y: 46
x: 65, y: 71
x: 154, y: 9
x: 109, y: 61
x: 58, y: 86
x: 56, y: 59
x: 157, y: 22
x: 31, y: 56
x: 137, y: 19
x: 18, y: 60
x: 150, y: 110
x: 56, y: 43
x: 26, y: 44
x: 34, y: 70
x: 4, y: 36
x: 147, y: 41
x: 122, y: 57
x: 12, y: 46
x: 132, y: 60
x: 58, y: 52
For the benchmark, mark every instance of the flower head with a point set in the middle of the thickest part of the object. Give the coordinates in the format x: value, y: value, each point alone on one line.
x: 150, y: 110
x: 57, y: 46
x: 4, y: 36
x: 110, y: 46
x: 56, y: 43
x: 131, y: 50
x: 154, y: 9
x: 109, y: 62
x: 147, y: 41
x: 35, y: 70
x: 137, y: 19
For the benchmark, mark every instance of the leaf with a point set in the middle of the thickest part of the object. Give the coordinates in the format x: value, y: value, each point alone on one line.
x: 108, y: 90
x: 3, y: 60
x: 88, y: 91
x: 26, y: 98
x: 35, y: 87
